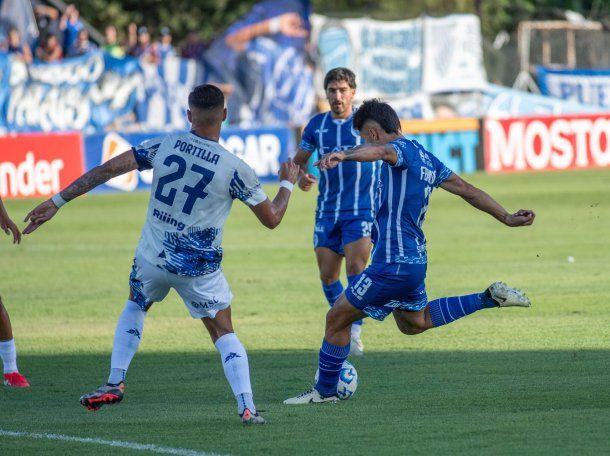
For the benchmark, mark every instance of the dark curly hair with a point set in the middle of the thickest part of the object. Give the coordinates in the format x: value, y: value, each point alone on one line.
x: 380, y: 112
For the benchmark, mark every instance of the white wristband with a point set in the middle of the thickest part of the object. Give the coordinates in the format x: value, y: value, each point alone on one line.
x: 275, y: 25
x: 287, y: 185
x: 58, y: 200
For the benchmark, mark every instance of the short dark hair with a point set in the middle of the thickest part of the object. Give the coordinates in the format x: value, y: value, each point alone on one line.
x: 206, y: 96
x: 380, y: 112
x: 340, y: 74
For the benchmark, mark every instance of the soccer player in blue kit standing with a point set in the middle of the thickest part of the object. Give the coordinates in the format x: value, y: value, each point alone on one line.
x: 394, y: 282
x: 344, y: 212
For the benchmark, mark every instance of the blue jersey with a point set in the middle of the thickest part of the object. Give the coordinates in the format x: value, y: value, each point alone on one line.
x: 403, y: 193
x: 347, y: 191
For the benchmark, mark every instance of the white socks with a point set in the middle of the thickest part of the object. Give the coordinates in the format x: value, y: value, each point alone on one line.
x: 235, y: 364
x: 8, y: 353
x: 126, y: 340
x: 356, y: 331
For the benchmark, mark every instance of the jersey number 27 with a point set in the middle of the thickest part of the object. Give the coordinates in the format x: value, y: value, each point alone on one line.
x: 194, y: 193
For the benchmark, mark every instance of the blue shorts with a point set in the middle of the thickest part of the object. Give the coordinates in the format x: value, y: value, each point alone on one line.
x: 380, y: 289
x: 335, y: 234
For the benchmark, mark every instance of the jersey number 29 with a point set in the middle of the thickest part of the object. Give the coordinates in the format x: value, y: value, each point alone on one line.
x: 194, y: 193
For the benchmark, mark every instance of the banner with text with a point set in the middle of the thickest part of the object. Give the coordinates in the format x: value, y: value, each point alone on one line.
x: 590, y: 87
x: 547, y: 143
x: 263, y: 149
x: 394, y: 59
x: 39, y: 165
x: 86, y: 92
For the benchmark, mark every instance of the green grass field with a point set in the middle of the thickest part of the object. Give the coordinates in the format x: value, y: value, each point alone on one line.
x: 510, y: 381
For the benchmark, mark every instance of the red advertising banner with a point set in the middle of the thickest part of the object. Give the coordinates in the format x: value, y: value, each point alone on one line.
x: 37, y: 165
x: 547, y: 143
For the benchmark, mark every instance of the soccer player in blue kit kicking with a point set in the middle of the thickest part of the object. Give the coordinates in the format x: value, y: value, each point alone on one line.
x: 394, y: 282
x: 346, y: 193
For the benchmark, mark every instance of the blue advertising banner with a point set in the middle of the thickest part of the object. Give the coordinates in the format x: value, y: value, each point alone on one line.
x: 262, y: 148
x: 591, y: 87
x: 456, y: 141
x: 456, y: 149
x: 262, y: 57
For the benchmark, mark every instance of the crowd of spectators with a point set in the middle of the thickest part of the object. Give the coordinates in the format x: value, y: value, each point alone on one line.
x: 65, y: 35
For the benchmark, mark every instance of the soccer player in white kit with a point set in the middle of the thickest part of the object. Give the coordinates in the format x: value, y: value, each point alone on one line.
x: 195, y: 181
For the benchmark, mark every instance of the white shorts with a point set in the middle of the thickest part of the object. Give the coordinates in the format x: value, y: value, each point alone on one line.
x: 204, y: 296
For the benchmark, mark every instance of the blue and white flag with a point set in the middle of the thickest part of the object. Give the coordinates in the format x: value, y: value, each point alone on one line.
x: 271, y: 79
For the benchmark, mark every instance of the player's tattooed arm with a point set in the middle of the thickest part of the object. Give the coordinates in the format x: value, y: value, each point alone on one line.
x: 114, y: 167
x: 484, y: 202
x: 362, y: 153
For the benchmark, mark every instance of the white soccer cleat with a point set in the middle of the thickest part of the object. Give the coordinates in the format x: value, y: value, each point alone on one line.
x: 310, y: 397
x: 507, y: 296
x: 356, y: 347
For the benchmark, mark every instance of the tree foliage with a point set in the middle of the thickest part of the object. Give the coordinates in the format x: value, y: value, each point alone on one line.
x: 210, y: 17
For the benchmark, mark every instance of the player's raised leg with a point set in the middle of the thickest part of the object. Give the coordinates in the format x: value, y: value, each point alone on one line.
x: 334, y: 351
x: 234, y: 363
x: 8, y: 352
x: 443, y: 311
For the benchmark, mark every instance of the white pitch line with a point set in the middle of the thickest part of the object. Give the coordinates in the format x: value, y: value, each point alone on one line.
x: 113, y: 443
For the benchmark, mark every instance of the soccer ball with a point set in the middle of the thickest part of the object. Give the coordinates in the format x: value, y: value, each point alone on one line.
x: 348, y: 380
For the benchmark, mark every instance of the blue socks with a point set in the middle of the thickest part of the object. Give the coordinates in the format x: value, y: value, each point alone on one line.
x: 329, y: 365
x: 332, y: 291
x: 446, y: 310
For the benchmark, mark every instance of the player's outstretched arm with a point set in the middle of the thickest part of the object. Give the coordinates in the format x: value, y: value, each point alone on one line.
x: 270, y: 213
x: 8, y: 226
x: 305, y: 180
x: 482, y: 201
x: 363, y: 153
x: 114, y: 167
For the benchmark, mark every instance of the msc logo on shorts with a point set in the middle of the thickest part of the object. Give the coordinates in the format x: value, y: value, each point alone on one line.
x: 205, y: 304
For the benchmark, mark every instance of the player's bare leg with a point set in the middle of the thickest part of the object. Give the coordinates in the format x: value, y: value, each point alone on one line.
x: 334, y: 351
x: 235, y: 364
x: 329, y: 264
x: 357, y: 255
x: 6, y: 330
x: 412, y: 323
x: 8, y: 352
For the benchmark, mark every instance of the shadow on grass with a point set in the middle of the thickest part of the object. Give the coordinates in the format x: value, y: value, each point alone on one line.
x: 507, y: 402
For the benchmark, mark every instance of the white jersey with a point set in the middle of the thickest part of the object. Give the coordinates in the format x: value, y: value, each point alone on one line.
x: 195, y: 181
